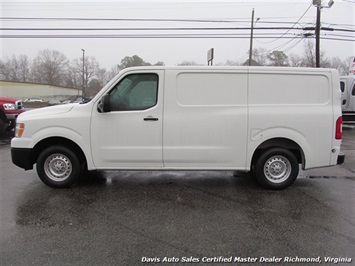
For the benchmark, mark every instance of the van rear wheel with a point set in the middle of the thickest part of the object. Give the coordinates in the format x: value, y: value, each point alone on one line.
x: 58, y: 167
x: 276, y: 168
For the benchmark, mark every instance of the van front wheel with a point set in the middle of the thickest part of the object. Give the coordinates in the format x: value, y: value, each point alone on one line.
x: 276, y: 168
x: 58, y: 167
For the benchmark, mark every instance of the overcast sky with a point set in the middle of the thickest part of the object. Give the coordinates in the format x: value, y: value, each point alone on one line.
x: 284, y: 20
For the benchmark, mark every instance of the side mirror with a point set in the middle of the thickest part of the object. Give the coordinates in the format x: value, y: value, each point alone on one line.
x: 104, y: 105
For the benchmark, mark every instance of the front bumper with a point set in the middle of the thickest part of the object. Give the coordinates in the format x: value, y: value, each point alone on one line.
x: 22, y: 158
x: 341, y: 158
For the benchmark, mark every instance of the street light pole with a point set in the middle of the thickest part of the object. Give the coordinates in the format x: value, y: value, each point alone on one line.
x: 83, y: 88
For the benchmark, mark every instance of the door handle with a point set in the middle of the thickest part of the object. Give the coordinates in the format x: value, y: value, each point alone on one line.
x: 150, y: 118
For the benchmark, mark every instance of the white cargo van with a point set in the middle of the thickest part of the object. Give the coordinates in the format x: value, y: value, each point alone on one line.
x: 347, y: 85
x: 265, y: 119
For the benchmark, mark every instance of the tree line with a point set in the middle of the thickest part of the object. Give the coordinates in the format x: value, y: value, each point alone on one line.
x: 53, y: 67
x: 263, y: 57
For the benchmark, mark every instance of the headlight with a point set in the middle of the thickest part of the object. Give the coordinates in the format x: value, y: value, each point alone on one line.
x: 20, y: 128
x: 9, y: 106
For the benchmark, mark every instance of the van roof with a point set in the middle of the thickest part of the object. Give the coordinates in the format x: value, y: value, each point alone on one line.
x: 235, y: 68
x: 350, y: 77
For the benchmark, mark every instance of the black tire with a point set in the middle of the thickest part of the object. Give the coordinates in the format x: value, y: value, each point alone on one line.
x: 276, y: 168
x: 58, y: 167
x: 2, y: 127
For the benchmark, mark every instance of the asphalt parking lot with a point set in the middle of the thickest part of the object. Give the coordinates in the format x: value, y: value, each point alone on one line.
x: 178, y: 218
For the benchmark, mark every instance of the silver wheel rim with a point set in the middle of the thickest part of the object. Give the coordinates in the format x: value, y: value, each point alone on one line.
x: 277, y: 169
x: 58, y: 167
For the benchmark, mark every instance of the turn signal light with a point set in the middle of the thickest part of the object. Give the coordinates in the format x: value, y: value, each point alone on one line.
x: 20, y: 128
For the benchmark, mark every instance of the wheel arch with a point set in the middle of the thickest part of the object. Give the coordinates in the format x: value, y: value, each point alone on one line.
x: 52, y: 141
x: 279, y: 143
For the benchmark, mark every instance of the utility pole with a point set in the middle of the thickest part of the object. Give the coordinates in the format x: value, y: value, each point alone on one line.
x: 318, y: 34
x: 318, y: 4
x: 251, y: 36
x: 83, y: 92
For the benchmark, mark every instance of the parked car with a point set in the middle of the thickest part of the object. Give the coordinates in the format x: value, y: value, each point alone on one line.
x: 347, y: 86
x: 54, y: 102
x: 10, y: 108
x: 81, y: 100
x: 34, y: 100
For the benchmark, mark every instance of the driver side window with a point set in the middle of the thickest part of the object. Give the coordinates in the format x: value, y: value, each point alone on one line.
x: 135, y: 92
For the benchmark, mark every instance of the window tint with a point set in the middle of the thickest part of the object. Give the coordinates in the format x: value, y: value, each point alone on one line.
x: 342, y: 86
x: 135, y: 92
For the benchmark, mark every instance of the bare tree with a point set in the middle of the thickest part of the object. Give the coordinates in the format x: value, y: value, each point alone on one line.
x: 84, y: 72
x: 341, y: 65
x: 96, y: 83
x: 16, y: 69
x: 113, y: 72
x: 231, y: 63
x: 35, y: 75
x: 51, y: 67
x: 309, y: 59
x: 188, y: 63
x: 295, y: 60
x: 73, y: 78
x: 24, y: 68
x: 12, y: 69
x: 260, y: 55
x: 2, y: 70
x: 310, y: 56
x: 102, y: 76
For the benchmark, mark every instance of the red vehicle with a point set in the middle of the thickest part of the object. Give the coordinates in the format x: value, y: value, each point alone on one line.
x: 10, y: 108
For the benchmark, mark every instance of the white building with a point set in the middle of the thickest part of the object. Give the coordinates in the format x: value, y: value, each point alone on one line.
x: 22, y: 90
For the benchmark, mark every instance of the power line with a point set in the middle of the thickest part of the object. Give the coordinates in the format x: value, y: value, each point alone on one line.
x: 176, y: 29
x: 148, y: 29
x: 294, y: 24
x: 224, y: 20
x: 157, y: 20
x: 162, y: 36
x: 119, y: 19
x: 143, y: 36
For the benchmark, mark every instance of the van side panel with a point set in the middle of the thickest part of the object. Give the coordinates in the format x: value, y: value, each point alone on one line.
x: 205, y: 119
x: 292, y: 105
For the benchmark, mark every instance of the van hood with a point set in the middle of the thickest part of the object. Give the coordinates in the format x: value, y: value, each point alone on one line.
x: 46, y: 111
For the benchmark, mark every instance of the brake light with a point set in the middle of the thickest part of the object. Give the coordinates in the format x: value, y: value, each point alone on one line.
x: 339, y: 128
